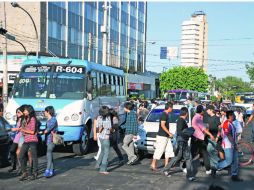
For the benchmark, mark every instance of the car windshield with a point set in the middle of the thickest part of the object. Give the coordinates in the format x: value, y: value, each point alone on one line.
x: 155, y: 114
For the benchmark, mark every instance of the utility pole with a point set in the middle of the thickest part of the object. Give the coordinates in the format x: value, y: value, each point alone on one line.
x: 5, y: 68
x: 105, y: 33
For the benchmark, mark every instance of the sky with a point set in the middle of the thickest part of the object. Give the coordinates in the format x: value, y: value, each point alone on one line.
x: 230, y: 34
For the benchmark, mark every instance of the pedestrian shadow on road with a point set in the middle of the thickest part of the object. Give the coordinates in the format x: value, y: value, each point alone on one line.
x: 63, y: 164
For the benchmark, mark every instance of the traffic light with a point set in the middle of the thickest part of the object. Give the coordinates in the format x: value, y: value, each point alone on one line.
x: 3, y: 31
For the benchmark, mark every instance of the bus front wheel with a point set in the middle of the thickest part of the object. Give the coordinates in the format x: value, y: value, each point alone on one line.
x: 80, y: 148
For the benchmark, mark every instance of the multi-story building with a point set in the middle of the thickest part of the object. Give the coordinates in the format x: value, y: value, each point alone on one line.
x: 75, y: 30
x: 194, y: 41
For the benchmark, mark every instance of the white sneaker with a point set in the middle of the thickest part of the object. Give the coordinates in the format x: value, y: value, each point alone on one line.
x: 185, y: 170
x: 209, y: 172
x: 95, y: 157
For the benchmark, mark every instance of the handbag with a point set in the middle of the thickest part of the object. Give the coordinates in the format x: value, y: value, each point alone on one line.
x: 57, y: 139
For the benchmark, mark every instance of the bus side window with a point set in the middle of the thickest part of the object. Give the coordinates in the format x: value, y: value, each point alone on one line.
x: 94, y: 84
x: 89, y: 86
x: 121, y: 86
x: 117, y: 85
x: 113, y: 85
x: 98, y: 84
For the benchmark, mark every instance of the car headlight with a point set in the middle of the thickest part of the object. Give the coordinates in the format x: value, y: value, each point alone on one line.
x: 74, y: 117
x: 8, y: 115
x: 66, y: 118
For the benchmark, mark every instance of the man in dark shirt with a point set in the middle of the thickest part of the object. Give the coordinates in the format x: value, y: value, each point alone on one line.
x: 213, y: 122
x: 182, y: 143
x: 163, y: 138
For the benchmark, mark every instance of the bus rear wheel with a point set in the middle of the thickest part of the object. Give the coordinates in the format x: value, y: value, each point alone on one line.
x: 82, y: 147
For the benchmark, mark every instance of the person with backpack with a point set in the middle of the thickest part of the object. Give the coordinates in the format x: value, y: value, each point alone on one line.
x: 51, y: 127
x: 183, y: 150
x: 30, y: 142
x: 104, y: 129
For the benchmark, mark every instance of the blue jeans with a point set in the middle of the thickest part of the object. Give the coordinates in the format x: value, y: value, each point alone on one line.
x: 50, y: 162
x: 231, y: 158
x: 228, y: 158
x: 102, y: 161
x: 235, y: 163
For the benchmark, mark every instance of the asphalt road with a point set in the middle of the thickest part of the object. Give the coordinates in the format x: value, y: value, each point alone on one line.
x: 74, y: 172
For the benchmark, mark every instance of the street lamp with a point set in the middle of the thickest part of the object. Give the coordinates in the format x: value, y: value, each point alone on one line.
x: 11, y: 37
x: 15, y: 4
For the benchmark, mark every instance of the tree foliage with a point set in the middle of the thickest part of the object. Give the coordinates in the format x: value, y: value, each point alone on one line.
x: 189, y: 78
x: 230, y: 85
x: 250, y: 70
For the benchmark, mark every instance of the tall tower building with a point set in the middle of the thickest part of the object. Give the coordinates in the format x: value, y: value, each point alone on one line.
x: 194, y: 41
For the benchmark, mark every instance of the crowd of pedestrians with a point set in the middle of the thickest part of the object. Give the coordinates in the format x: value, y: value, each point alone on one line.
x: 212, y: 139
x: 25, y: 143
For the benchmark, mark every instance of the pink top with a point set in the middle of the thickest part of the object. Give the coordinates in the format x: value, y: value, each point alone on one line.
x: 198, y: 125
x: 17, y: 136
x: 31, y: 126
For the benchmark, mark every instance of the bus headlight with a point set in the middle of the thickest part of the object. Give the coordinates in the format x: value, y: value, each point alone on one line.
x: 66, y: 118
x: 74, y: 117
x: 8, y: 115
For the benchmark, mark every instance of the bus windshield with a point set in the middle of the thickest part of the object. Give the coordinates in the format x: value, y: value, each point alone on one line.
x: 60, y: 85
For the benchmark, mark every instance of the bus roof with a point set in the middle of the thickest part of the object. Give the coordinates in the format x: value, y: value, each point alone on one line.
x: 89, y: 65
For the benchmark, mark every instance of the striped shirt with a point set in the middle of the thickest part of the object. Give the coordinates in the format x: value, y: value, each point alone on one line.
x: 31, y: 126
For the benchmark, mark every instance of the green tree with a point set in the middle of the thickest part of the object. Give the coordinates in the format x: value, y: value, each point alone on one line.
x: 250, y: 70
x: 189, y: 78
x: 230, y: 85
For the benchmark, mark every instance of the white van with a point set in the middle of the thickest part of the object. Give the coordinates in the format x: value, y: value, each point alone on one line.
x: 147, y: 135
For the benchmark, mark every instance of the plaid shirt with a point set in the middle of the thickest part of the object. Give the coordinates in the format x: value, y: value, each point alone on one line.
x: 51, y: 127
x: 131, y: 123
x: 31, y: 127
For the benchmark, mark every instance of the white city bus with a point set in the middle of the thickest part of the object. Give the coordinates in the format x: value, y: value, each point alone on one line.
x: 75, y: 88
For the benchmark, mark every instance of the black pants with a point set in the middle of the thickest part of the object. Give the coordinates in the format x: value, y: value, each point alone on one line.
x: 200, y: 147
x: 24, y: 149
x: 183, y: 154
x: 13, y: 155
x: 114, y: 140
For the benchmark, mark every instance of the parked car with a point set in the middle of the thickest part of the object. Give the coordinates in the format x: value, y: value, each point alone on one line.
x: 147, y: 135
x: 5, y: 142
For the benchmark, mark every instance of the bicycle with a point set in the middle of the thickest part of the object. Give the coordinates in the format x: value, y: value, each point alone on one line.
x: 245, y: 153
